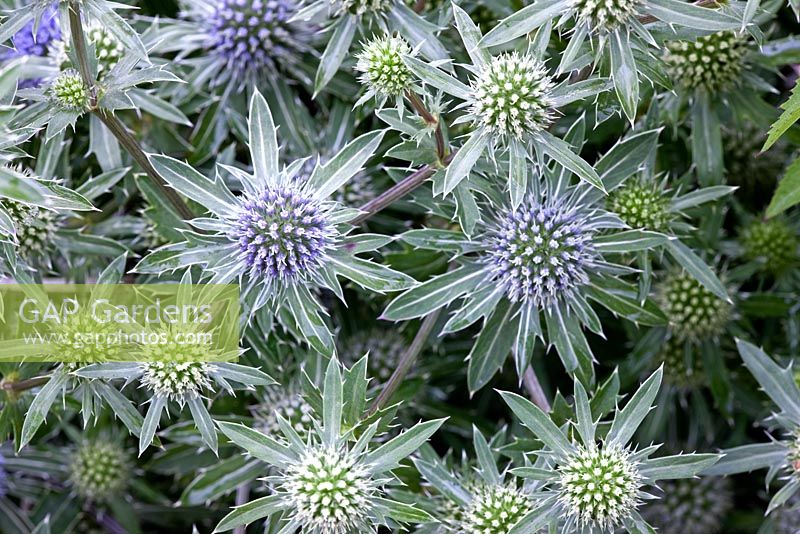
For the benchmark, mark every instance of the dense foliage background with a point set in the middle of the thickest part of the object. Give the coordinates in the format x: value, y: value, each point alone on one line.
x: 577, y: 208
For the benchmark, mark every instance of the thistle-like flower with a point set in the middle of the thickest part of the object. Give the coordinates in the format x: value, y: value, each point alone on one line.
x: 605, y: 15
x: 287, y: 403
x: 282, y: 237
x: 693, y: 311
x: 540, y: 253
x: 34, y: 227
x: 772, y: 242
x: 176, y: 381
x: 325, y: 483
x: 329, y: 491
x: 382, y: 67
x: 712, y: 62
x: 697, y: 506
x: 69, y: 93
x: 243, y: 42
x: 641, y: 205
x: 99, y: 470
x: 495, y: 509
x: 512, y: 96
x: 522, y: 265
x: 599, y: 486
x: 384, y: 346
x: 592, y: 486
x: 108, y: 50
x: 283, y: 233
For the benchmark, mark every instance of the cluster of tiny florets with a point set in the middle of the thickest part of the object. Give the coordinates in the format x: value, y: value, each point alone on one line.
x: 69, y: 92
x: 713, y: 62
x: 640, y: 205
x: 495, y: 510
x: 512, y: 96
x: 605, y: 15
x: 773, y: 241
x: 99, y: 470
x: 254, y: 35
x: 691, y: 506
x: 107, y: 48
x: 329, y: 491
x: 288, y: 403
x: 598, y: 487
x: 381, y: 65
x: 679, y: 371
x: 540, y: 252
x: 34, y: 227
x: 283, y: 234
x: 178, y: 381
x: 693, y: 311
x: 71, y: 346
x: 360, y: 7
x: 385, y: 347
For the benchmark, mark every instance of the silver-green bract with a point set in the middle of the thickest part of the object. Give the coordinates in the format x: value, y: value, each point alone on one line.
x: 781, y: 455
x: 596, y: 483
x: 335, y: 480
x: 280, y: 237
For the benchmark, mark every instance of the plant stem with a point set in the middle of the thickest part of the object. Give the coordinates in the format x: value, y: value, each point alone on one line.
x: 431, y: 120
x: 406, y: 361
x: 535, y: 391
x: 394, y: 193
x: 117, y: 129
x: 22, y: 385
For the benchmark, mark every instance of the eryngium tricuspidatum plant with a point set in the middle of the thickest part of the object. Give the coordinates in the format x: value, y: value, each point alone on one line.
x: 691, y: 506
x: 772, y: 243
x: 327, y: 483
x: 510, y: 101
x: 538, y: 263
x: 98, y: 470
x: 383, y: 70
x: 597, y: 484
x: 781, y: 455
x: 694, y: 312
x: 614, y: 31
x: 178, y: 374
x: 281, y: 237
x: 712, y: 63
x: 241, y: 43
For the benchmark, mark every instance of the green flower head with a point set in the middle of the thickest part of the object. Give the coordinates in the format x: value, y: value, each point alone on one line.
x: 693, y: 311
x: 99, y: 470
x: 712, y: 63
x: 69, y: 92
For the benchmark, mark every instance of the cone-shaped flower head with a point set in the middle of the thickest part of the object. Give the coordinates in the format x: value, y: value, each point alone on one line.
x: 176, y: 380
x: 385, y: 347
x: 605, y: 15
x: 251, y: 36
x: 69, y: 92
x: 598, y: 486
x: 329, y: 491
x: 360, y: 7
x: 713, y: 62
x: 34, y: 227
x: 287, y: 403
x: 691, y: 506
x: 283, y: 233
x: 682, y: 369
x: 107, y: 48
x: 512, y: 96
x: 381, y: 65
x: 540, y: 251
x: 99, y: 470
x: 693, y: 311
x: 640, y: 205
x: 772, y: 241
x: 495, y: 509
